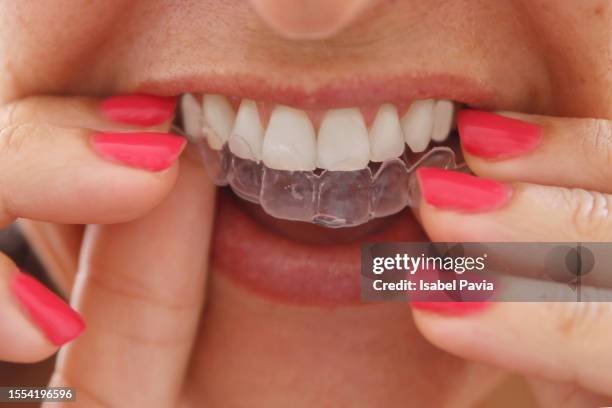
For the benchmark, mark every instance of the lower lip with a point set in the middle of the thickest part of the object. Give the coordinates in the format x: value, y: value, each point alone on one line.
x: 286, y: 270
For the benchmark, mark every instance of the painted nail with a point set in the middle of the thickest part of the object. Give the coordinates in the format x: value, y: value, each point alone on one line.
x: 150, y: 151
x: 48, y: 311
x: 452, y: 190
x: 141, y: 110
x: 456, y: 309
x: 492, y: 136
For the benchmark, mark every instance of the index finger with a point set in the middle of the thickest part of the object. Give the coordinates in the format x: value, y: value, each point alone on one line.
x: 565, y: 152
x: 76, y: 175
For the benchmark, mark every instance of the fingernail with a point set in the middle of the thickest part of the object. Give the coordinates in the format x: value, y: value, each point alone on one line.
x: 456, y: 309
x: 452, y: 190
x: 141, y: 110
x: 491, y: 136
x: 49, y: 312
x: 150, y: 151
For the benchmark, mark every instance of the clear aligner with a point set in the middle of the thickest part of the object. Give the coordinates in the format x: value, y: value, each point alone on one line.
x: 334, y: 199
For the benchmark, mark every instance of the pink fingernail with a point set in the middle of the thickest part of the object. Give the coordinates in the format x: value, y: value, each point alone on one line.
x: 150, y: 151
x: 456, y: 309
x: 141, y: 110
x: 453, y: 190
x: 49, y: 312
x: 492, y: 136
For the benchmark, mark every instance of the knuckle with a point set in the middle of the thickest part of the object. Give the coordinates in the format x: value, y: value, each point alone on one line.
x: 11, y: 145
x: 8, y: 114
x: 7, y: 210
x: 578, y: 318
x: 16, y: 113
x: 597, y: 147
x: 13, y: 139
x: 579, y: 326
x: 89, y: 395
x: 133, y: 296
x: 589, y: 213
x: 134, y: 292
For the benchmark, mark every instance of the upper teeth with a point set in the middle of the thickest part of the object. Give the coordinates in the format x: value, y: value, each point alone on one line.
x: 247, y: 135
x: 342, y: 142
x: 417, y: 125
x: 218, y: 120
x: 443, y: 116
x: 386, y: 137
x: 290, y: 141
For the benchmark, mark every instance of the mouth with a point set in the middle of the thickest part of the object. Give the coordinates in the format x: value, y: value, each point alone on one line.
x: 337, y: 167
x: 304, y: 187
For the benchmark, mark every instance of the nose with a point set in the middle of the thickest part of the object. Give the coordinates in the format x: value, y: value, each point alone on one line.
x: 310, y: 19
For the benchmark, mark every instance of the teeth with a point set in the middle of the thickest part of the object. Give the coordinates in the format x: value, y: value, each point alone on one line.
x: 443, y: 114
x: 192, y: 116
x: 247, y: 136
x: 417, y: 124
x: 290, y: 141
x: 386, y: 138
x: 343, y: 143
x: 218, y: 120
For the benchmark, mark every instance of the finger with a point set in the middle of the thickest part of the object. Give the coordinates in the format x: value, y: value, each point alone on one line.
x: 458, y: 207
x: 124, y: 112
x: 57, y: 244
x: 564, y: 152
x: 34, y: 322
x: 79, y: 176
x: 563, y: 342
x: 141, y: 285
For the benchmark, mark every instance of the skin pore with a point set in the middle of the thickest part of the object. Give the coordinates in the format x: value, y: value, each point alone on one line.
x: 550, y: 57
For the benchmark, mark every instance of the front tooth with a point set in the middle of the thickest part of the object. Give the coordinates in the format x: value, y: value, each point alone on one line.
x: 247, y: 135
x: 218, y: 120
x: 343, y: 143
x: 192, y: 116
x: 417, y: 124
x: 290, y: 141
x: 386, y: 139
x: 443, y: 114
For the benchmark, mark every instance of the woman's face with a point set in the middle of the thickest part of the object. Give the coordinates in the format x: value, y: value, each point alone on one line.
x: 283, y: 323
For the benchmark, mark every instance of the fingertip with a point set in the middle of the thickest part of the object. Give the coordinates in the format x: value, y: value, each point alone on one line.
x: 151, y: 151
x: 139, y: 109
x: 51, y: 314
x: 134, y: 195
x: 34, y: 320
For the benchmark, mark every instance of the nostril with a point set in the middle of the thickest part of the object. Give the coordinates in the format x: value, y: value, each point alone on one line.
x: 309, y: 19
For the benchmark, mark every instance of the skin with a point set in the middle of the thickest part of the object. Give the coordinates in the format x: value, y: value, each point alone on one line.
x: 546, y: 57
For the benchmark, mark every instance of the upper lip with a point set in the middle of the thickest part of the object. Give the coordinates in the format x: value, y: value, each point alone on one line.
x: 341, y: 92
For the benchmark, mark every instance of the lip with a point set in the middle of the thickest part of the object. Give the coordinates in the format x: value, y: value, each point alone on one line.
x: 337, y: 93
x: 284, y: 270
x: 290, y: 271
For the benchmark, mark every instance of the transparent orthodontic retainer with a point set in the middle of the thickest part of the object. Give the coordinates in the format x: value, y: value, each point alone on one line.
x: 334, y: 199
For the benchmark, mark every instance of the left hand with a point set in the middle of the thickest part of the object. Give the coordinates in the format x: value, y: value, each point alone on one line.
x: 545, y: 179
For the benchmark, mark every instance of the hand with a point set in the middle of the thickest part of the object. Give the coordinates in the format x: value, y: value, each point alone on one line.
x: 54, y: 169
x: 544, y: 179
